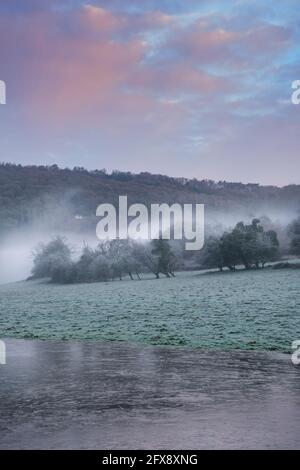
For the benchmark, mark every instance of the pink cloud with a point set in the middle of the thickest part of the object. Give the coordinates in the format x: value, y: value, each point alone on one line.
x: 175, y: 78
x: 265, y: 39
x: 71, y: 73
x: 87, y: 70
x: 60, y: 74
x: 207, y: 44
x: 95, y: 20
x: 98, y: 19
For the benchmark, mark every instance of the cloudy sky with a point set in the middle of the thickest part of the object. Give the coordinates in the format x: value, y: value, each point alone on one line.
x: 195, y: 88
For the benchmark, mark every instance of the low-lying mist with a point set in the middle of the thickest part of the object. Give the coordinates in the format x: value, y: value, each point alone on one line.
x: 16, y: 248
x: 16, y: 251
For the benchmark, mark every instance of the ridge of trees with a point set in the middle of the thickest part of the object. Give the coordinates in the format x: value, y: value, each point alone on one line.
x: 30, y: 193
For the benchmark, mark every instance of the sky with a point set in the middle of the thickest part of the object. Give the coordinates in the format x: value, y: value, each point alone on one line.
x: 193, y: 88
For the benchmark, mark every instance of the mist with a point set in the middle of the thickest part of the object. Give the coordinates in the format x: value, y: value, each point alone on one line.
x: 16, y: 249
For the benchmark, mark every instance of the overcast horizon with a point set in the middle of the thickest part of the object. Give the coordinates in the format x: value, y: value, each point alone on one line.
x: 183, y: 88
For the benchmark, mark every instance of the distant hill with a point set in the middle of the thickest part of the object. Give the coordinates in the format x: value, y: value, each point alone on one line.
x: 50, y: 195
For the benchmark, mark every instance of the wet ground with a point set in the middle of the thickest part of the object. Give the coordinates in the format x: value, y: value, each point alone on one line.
x: 70, y: 395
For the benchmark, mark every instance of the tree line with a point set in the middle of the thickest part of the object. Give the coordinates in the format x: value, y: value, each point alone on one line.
x: 247, y: 245
x: 49, y: 196
x: 294, y: 234
x: 111, y: 259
